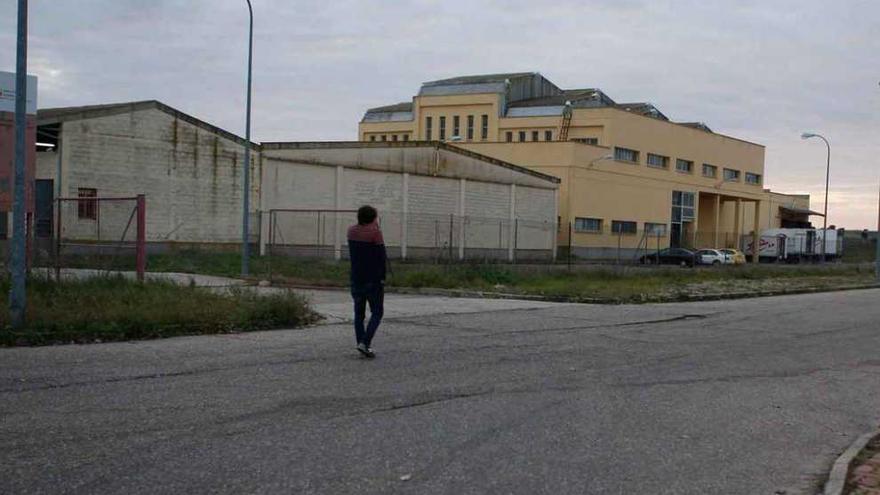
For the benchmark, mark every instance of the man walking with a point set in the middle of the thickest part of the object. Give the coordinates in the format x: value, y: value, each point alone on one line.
x: 366, y: 249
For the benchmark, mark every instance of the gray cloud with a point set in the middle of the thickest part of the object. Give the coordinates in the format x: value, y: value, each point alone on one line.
x: 762, y: 71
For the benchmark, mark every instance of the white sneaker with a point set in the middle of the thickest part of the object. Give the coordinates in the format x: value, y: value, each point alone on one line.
x: 366, y: 351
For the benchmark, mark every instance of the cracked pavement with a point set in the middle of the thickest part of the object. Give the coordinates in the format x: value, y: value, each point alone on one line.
x: 747, y: 396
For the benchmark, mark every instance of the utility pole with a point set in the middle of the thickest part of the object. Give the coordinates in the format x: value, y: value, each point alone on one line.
x: 877, y: 241
x: 17, y: 292
x: 245, y: 221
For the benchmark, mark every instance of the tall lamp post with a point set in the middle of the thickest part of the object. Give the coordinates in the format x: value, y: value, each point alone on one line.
x: 245, y: 217
x: 17, y: 292
x: 808, y: 135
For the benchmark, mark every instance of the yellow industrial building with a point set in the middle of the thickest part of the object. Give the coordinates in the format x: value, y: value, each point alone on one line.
x: 632, y: 179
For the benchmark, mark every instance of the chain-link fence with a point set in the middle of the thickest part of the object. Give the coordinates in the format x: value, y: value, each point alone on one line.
x: 437, y: 237
x: 624, y: 243
x: 108, y: 233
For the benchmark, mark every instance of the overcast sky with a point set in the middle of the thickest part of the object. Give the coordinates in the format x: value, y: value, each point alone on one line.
x: 763, y: 71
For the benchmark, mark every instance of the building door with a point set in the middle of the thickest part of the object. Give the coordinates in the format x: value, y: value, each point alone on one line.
x: 45, y: 199
x: 675, y: 235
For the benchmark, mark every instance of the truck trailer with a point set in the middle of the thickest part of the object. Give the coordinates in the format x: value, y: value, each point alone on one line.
x: 796, y: 245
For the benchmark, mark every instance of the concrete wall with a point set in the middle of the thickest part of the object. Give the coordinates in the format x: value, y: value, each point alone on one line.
x: 192, y: 177
x: 431, y: 201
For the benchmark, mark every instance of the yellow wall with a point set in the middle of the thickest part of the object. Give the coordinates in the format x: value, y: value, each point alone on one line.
x: 594, y: 186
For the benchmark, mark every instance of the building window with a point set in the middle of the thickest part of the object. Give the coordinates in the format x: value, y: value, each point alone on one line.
x: 626, y: 155
x: 87, y: 208
x: 731, y: 175
x: 484, y: 130
x: 372, y: 138
x: 384, y: 137
x: 470, y: 130
x: 685, y: 166
x: 658, y: 161
x: 428, y: 122
x: 406, y: 137
x: 548, y: 135
x: 655, y: 229
x: 753, y: 178
x: 535, y: 135
x: 683, y: 206
x: 710, y: 171
x: 587, y: 224
x: 442, y: 128
x: 456, y: 126
x: 509, y: 137
x: 522, y: 136
x: 593, y: 141
x: 624, y: 227
x: 394, y: 137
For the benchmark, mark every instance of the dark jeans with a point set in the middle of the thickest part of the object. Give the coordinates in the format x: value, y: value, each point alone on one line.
x: 374, y: 294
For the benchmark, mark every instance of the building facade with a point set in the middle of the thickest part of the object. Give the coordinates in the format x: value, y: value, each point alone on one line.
x: 631, y: 177
x: 190, y: 172
x: 434, y: 200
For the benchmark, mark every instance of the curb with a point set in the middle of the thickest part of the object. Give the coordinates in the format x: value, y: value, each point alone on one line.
x: 598, y: 300
x: 840, y: 470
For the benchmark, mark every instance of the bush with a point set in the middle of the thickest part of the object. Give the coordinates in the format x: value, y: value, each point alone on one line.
x: 114, y: 308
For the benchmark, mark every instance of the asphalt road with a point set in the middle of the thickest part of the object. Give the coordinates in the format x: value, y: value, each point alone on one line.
x: 748, y: 396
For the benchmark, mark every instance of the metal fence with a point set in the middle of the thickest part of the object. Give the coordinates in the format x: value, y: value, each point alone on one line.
x: 437, y: 237
x: 622, y: 245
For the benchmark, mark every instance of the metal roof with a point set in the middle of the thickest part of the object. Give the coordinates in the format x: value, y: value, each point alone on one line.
x: 800, y: 211
x: 405, y: 106
x: 696, y: 125
x: 479, y: 79
x: 282, y: 145
x: 64, y: 114
x: 590, y: 97
x: 643, y: 108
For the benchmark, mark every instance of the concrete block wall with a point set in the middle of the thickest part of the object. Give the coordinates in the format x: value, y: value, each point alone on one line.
x: 191, y: 176
x: 421, y: 214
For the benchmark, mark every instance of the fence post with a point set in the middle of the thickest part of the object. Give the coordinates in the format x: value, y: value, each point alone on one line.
x: 619, y: 239
x: 569, y: 245
x: 451, y: 231
x: 58, y: 241
x: 515, y: 238
x: 141, y: 251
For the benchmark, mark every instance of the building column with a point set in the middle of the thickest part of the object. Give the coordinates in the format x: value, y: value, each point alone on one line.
x: 337, y: 222
x: 737, y: 223
x: 404, y: 221
x: 717, y: 219
x: 756, y: 236
x: 696, y: 225
x: 511, y: 223
x: 554, y: 232
x: 462, y: 231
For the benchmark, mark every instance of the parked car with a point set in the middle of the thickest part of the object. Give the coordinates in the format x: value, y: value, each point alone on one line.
x: 710, y: 257
x: 670, y: 256
x: 734, y: 256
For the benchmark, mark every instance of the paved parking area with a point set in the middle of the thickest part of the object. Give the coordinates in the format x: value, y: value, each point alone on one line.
x: 748, y: 396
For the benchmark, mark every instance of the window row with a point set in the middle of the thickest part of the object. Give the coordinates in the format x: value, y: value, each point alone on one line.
x: 390, y: 137
x: 522, y: 136
x: 470, y: 122
x: 683, y: 166
x: 596, y: 225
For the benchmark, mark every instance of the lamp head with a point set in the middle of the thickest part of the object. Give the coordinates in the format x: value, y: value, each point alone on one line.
x: 807, y: 135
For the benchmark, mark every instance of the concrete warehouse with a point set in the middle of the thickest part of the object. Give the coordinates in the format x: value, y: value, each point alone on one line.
x: 629, y: 174
x: 435, y: 200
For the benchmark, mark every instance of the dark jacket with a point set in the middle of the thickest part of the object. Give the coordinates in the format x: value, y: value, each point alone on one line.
x: 366, y: 250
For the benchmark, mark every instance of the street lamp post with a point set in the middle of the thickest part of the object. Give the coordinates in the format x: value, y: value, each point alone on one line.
x: 245, y: 220
x: 808, y: 135
x: 17, y: 291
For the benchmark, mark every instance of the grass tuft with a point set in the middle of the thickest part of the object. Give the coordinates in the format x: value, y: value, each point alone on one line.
x: 114, y: 308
